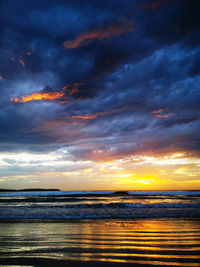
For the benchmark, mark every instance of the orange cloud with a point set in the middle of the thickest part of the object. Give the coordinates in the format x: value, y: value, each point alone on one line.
x: 162, y: 116
x: 22, y: 62
x: 86, y: 117
x: 29, y: 53
x: 161, y: 113
x: 60, y: 95
x: 73, y: 91
x: 39, y: 96
x: 65, y: 88
x: 63, y: 101
x: 101, y: 113
x: 99, y: 34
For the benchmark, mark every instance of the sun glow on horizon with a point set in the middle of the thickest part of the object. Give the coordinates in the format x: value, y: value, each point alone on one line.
x: 60, y: 170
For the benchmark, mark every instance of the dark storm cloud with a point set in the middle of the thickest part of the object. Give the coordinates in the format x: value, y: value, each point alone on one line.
x: 108, y: 78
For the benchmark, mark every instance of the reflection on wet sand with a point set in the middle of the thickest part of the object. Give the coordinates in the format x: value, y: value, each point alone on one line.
x: 162, y: 242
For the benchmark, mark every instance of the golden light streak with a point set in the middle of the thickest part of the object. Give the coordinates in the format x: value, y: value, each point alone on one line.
x: 132, y: 178
x: 61, y: 95
x: 171, y: 172
x: 39, y: 96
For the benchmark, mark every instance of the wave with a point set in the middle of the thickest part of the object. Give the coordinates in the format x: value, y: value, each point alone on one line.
x: 57, y: 193
x: 48, y: 200
x: 98, y: 204
x: 99, y: 210
x: 99, y: 193
x: 111, y: 205
x: 52, y: 217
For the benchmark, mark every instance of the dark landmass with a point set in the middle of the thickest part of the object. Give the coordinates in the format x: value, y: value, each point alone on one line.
x: 28, y: 190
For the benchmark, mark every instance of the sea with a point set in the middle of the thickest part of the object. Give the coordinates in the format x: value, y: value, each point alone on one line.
x: 160, y: 228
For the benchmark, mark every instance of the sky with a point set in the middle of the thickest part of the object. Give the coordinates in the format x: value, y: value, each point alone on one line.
x: 100, y: 95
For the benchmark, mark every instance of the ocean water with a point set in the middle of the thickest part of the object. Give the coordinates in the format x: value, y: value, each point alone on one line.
x: 155, y: 228
x: 99, y: 205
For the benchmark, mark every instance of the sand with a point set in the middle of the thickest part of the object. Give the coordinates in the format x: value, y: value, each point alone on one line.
x: 54, y: 262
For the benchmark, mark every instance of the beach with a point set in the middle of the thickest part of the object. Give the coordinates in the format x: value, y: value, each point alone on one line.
x: 146, y: 240
x: 99, y: 133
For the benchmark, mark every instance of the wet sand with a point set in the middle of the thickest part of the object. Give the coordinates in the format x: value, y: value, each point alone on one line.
x: 54, y: 262
x: 117, y: 242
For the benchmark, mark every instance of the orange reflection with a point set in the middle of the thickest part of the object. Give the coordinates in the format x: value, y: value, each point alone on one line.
x: 134, y: 241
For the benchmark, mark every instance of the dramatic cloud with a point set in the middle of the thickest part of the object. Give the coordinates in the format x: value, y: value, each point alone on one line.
x: 116, y: 85
x: 39, y: 96
x: 100, y: 34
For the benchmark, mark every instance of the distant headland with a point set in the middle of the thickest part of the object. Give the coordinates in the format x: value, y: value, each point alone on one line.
x: 28, y: 190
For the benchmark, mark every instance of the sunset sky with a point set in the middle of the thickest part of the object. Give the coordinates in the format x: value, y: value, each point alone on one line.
x: 100, y: 95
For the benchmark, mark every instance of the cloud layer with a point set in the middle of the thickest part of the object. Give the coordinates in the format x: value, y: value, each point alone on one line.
x: 106, y: 80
